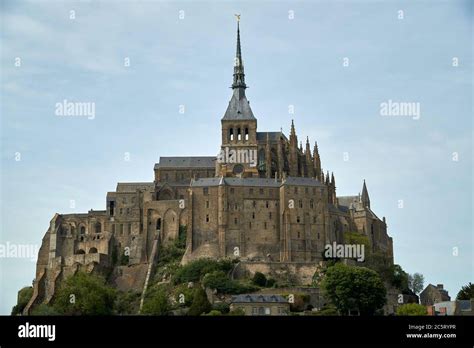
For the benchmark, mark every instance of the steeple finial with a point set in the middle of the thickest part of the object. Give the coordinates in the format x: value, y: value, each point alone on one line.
x: 239, y: 75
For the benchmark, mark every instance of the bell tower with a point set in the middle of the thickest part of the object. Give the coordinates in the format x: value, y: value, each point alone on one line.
x: 238, y: 153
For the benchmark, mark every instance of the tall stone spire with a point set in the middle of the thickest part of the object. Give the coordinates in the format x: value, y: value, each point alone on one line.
x: 293, y: 152
x: 239, y: 106
x: 317, y: 163
x: 365, y: 197
x: 309, y: 160
x: 239, y: 75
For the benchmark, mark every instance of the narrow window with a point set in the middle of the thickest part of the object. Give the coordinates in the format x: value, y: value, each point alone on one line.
x: 239, y: 134
x: 246, y: 134
x: 265, y: 225
x: 270, y: 215
x: 311, y: 204
x: 261, y: 191
x: 111, y: 208
x: 253, y: 216
x: 231, y: 134
x: 266, y: 204
x: 300, y: 203
x: 296, y: 190
x: 207, y: 204
x: 207, y: 218
x: 235, y: 221
x: 254, y: 204
x: 158, y: 224
x: 298, y: 219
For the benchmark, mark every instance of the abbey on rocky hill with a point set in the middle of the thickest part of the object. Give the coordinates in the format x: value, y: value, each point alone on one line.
x: 263, y: 199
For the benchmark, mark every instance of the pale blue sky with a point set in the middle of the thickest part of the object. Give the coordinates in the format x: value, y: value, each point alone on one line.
x: 288, y: 62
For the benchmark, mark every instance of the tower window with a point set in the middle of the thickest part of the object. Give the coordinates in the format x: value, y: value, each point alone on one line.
x: 239, y: 134
x: 298, y: 219
x: 231, y: 134
x: 246, y: 134
x: 300, y: 203
x: 207, y: 218
x: 205, y: 191
x: 253, y: 215
x: 207, y: 204
x: 311, y: 204
x: 266, y: 204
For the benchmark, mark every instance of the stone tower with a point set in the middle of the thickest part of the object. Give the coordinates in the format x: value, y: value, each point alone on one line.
x: 238, y: 155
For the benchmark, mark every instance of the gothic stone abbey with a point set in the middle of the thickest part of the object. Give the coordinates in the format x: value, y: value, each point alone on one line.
x: 274, y: 209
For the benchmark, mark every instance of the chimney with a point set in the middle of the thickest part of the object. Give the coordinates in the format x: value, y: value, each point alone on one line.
x: 439, y: 286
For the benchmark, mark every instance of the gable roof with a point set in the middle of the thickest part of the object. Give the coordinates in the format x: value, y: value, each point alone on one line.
x: 258, y: 298
x: 187, y: 162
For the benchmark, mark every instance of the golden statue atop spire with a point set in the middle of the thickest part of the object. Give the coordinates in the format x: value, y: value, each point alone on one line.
x: 237, y: 15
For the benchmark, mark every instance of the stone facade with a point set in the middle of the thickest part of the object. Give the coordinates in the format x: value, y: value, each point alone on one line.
x: 269, y: 203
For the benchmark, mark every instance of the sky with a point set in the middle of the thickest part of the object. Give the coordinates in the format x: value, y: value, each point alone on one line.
x: 333, y: 62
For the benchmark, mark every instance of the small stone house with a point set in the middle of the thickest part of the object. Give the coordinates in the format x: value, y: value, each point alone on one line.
x: 260, y: 304
x: 434, y: 294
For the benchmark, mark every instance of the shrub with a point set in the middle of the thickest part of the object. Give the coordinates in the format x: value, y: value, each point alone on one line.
x: 259, y: 279
x: 411, y: 309
x: 195, y: 270
x: 237, y: 312
x: 24, y: 296
x: 221, y: 307
x: 84, y: 294
x: 218, y: 280
x: 200, y: 303
x: 127, y: 303
x: 271, y: 283
x: 213, y: 313
x: 44, y: 309
x: 156, y: 303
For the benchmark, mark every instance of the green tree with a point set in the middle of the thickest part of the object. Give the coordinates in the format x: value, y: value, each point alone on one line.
x: 259, y: 279
x: 415, y: 282
x: 156, y: 303
x: 200, y: 303
x: 466, y: 292
x: 84, y: 294
x: 411, y: 309
x: 354, y: 288
x: 24, y: 296
x: 44, y: 309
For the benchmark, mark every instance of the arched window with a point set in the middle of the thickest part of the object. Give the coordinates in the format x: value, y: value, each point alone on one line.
x: 246, y: 134
x: 93, y: 251
x: 98, y: 227
x: 158, y: 224
x: 231, y: 134
x: 239, y: 134
x: 83, y: 230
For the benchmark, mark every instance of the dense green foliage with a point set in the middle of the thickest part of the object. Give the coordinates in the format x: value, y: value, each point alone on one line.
x: 466, y: 292
x: 195, y: 270
x: 127, y: 303
x: 411, y: 309
x: 156, y: 302
x: 200, y: 303
x: 354, y: 289
x: 415, y: 282
x: 44, y: 309
x: 24, y: 296
x: 220, y: 281
x: 84, y: 294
